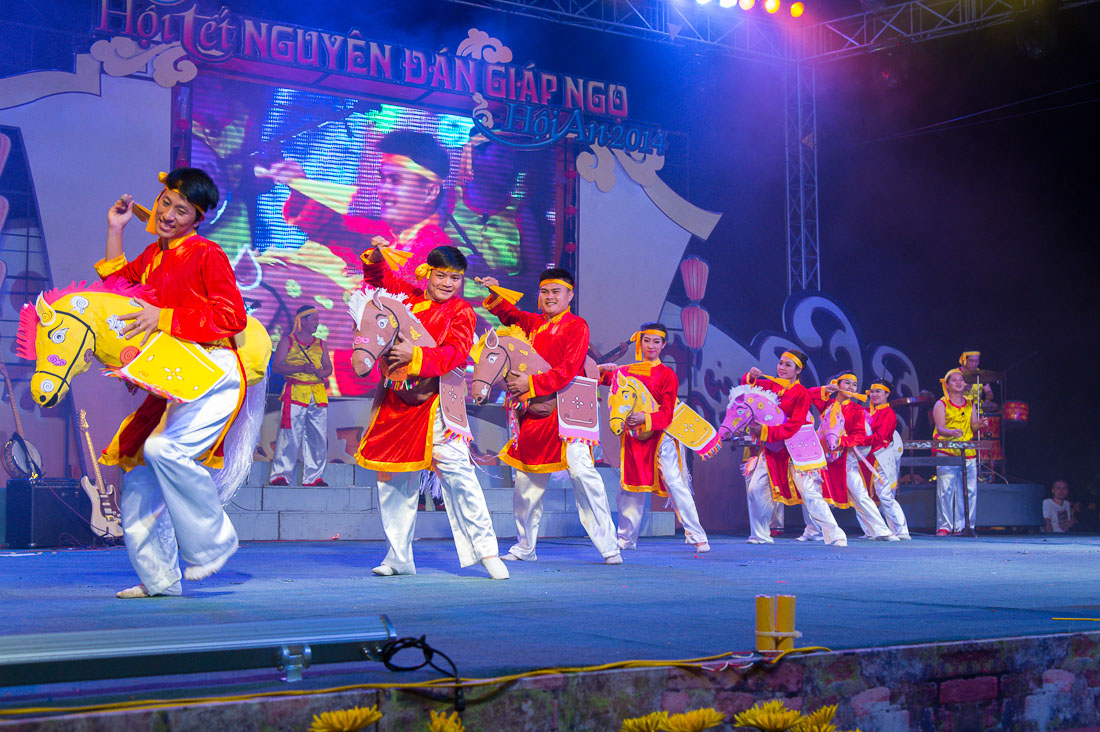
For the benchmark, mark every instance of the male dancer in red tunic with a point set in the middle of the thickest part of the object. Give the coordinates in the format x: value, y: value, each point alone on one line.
x: 843, y: 481
x: 537, y: 450
x: 650, y: 459
x: 407, y: 434
x: 194, y: 297
x: 774, y: 478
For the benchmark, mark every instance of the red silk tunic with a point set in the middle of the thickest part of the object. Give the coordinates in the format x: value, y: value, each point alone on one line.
x: 638, y: 459
x: 399, y: 437
x: 193, y: 282
x: 834, y: 485
x: 883, y: 422
x: 563, y: 342
x: 347, y: 236
x: 794, y: 401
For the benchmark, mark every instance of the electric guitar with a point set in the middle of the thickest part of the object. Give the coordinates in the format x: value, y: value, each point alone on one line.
x: 106, y: 519
x: 20, y: 458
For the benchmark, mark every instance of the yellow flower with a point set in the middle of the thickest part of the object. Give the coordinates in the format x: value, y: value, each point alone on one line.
x: 820, y: 721
x: 694, y: 721
x: 445, y: 722
x: 649, y: 723
x: 769, y: 717
x: 345, y: 720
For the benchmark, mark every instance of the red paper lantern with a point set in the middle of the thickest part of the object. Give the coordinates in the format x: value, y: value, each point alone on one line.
x: 694, y: 271
x: 695, y: 320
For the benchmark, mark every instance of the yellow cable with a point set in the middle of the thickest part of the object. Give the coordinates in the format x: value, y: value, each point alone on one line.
x: 443, y: 683
x: 807, y: 649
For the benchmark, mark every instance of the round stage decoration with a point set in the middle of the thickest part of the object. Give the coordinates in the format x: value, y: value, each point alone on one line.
x: 695, y: 320
x: 695, y: 272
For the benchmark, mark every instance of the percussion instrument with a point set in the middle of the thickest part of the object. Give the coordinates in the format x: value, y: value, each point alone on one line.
x: 1015, y: 412
x: 20, y: 458
x: 984, y: 376
x: 917, y: 401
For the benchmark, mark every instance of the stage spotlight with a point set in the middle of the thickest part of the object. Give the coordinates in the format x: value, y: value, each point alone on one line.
x: 702, y: 2
x: 772, y: 6
x: 747, y: 4
x: 727, y: 3
x: 797, y: 10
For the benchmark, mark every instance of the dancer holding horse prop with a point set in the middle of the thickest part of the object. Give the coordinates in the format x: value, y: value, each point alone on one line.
x: 843, y: 485
x: 411, y: 429
x: 886, y: 450
x: 651, y: 459
x: 787, y: 468
x: 197, y: 379
x: 542, y: 442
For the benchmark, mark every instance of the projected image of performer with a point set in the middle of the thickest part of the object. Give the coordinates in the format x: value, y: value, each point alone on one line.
x: 956, y: 419
x: 651, y: 461
x: 773, y: 473
x: 407, y: 431
x: 163, y: 442
x: 537, y: 449
x: 303, y: 360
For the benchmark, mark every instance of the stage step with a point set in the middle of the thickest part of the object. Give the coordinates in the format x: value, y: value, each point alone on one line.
x: 348, y: 507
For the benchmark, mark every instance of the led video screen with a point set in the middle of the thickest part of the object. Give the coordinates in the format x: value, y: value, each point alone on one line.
x: 308, y: 179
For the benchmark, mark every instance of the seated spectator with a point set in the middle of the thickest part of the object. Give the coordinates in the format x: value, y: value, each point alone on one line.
x: 1058, y: 516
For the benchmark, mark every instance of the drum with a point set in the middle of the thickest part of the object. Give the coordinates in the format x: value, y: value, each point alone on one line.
x: 1015, y: 412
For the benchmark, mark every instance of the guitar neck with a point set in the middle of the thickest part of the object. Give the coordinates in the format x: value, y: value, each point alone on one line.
x: 14, y: 407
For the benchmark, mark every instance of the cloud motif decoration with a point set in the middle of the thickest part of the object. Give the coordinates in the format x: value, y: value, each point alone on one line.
x: 479, y: 44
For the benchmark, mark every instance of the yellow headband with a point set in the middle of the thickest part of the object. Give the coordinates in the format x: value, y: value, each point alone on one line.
x: 424, y: 271
x: 555, y: 282
x: 299, y: 316
x: 880, y: 385
x: 637, y: 338
x: 796, y: 359
x: 163, y: 178
x: 943, y: 381
x: 412, y: 166
x: 967, y: 354
x: 842, y: 377
x: 150, y: 216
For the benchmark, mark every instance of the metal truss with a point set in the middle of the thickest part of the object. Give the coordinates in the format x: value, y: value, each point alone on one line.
x: 803, y: 261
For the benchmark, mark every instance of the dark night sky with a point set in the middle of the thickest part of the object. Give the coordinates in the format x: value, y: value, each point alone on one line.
x: 979, y: 236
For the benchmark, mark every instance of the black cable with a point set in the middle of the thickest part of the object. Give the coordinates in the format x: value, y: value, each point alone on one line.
x: 393, y: 647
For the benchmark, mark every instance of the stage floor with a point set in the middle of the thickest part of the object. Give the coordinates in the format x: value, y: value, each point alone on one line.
x: 569, y: 609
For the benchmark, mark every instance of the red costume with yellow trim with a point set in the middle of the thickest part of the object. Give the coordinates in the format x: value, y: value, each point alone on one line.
x: 638, y: 458
x: 794, y: 401
x: 834, y: 487
x: 563, y: 342
x: 193, y: 284
x: 884, y: 422
x: 400, y: 435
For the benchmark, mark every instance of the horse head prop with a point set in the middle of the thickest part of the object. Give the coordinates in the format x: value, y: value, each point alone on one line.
x: 380, y: 317
x: 507, y: 350
x: 66, y: 329
x: 750, y: 405
x: 831, y: 429
x: 628, y: 395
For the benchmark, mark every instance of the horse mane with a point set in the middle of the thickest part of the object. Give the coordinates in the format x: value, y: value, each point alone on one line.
x: 359, y: 299
x: 28, y: 314
x: 513, y: 331
x: 750, y: 389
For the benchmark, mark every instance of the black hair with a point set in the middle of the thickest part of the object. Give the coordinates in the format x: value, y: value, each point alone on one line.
x: 801, y: 356
x: 656, y: 326
x: 447, y: 257
x: 304, y: 308
x: 884, y: 381
x: 194, y: 185
x: 557, y: 273
x: 420, y: 147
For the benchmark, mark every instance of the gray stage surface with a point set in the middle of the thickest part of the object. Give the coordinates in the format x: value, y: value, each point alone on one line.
x: 569, y: 609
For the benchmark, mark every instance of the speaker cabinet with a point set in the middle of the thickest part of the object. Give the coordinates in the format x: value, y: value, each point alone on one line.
x: 47, y: 513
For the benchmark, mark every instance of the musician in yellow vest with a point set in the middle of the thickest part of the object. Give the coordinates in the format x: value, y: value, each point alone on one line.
x: 302, y: 359
x: 956, y: 419
x: 971, y: 361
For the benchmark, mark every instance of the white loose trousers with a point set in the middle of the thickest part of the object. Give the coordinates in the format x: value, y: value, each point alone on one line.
x: 464, y: 501
x: 886, y: 487
x: 172, y: 479
x: 949, y: 497
x: 870, y: 520
x: 588, y: 490
x: 758, y: 492
x: 632, y: 504
x: 307, y: 433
